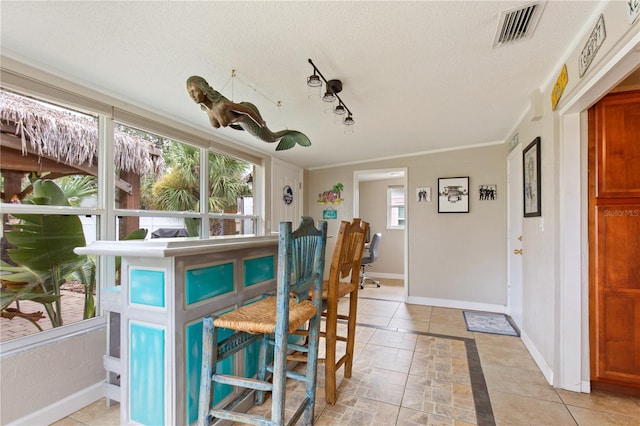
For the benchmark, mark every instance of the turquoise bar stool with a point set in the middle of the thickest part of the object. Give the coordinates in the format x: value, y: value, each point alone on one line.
x: 271, y: 320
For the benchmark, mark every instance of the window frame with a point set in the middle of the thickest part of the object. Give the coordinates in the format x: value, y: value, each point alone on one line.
x: 391, y: 189
x: 106, y: 109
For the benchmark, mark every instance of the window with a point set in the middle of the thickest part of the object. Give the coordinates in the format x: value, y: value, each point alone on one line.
x: 53, y: 182
x: 166, y: 200
x: 395, y: 207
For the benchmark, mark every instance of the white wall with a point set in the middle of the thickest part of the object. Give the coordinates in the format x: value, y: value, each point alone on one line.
x: 555, y: 261
x: 41, y: 384
x: 454, y: 259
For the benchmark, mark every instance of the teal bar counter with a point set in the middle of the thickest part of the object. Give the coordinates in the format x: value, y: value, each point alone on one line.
x: 154, y: 319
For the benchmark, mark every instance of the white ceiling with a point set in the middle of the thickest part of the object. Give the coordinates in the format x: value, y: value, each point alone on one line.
x: 418, y: 76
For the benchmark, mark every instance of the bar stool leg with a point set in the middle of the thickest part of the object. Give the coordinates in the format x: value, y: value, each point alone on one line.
x: 210, y: 347
x: 351, y: 332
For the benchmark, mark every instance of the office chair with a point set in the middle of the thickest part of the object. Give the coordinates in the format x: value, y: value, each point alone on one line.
x: 368, y: 260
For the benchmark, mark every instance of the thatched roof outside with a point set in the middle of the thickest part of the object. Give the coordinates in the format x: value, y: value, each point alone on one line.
x: 72, y: 138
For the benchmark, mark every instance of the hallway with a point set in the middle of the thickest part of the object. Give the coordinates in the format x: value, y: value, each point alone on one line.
x: 418, y: 365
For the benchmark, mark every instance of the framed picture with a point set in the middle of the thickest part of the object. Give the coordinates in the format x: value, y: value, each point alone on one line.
x: 531, y: 179
x: 423, y: 194
x: 488, y: 192
x: 329, y: 214
x: 453, y: 195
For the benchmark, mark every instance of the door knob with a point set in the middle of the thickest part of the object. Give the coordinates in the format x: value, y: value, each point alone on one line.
x: 517, y: 251
x: 520, y: 238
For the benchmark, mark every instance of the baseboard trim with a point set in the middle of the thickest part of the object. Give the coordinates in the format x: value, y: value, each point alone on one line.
x: 385, y: 275
x: 63, y: 408
x: 457, y: 304
x: 546, y: 370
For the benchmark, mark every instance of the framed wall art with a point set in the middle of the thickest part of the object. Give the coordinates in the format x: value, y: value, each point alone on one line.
x: 453, y: 195
x: 488, y: 192
x: 531, y: 179
x: 423, y: 194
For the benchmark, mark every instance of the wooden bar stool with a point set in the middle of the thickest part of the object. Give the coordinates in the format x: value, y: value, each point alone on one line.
x: 271, y: 320
x: 345, y: 263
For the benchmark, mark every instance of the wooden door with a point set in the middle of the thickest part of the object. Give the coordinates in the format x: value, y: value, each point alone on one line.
x: 614, y: 242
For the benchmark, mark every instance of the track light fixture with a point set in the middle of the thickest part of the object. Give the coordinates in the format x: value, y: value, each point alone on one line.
x: 333, y: 87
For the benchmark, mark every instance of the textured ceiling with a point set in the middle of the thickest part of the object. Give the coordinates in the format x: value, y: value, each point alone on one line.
x: 418, y: 76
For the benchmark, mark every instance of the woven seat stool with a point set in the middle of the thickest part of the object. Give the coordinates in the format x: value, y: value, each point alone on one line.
x: 343, y: 280
x: 271, y: 320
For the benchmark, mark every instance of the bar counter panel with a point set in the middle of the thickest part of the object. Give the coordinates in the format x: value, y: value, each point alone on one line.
x: 154, y: 319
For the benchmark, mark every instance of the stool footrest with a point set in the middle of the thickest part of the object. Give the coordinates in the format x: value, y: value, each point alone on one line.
x: 251, y: 419
x: 242, y: 381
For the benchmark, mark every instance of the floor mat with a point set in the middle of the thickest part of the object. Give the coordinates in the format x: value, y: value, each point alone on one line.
x: 486, y: 322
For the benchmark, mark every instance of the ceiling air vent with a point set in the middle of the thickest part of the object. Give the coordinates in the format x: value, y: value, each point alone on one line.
x: 517, y: 24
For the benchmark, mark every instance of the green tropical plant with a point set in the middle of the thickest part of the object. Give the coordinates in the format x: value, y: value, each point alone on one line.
x: 44, y: 255
x: 337, y: 188
x: 77, y: 188
x: 43, y: 252
x: 179, y: 189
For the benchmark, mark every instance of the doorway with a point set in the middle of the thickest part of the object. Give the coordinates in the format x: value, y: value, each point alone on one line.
x: 514, y: 232
x: 614, y: 242
x: 573, y: 350
x: 371, y: 205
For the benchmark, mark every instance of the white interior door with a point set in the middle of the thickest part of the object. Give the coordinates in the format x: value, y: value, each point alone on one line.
x: 286, y: 184
x: 515, y: 211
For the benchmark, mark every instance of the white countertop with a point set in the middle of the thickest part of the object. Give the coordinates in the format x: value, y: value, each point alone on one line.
x: 170, y: 247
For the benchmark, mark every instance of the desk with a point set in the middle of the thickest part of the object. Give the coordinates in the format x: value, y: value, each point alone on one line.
x: 154, y: 318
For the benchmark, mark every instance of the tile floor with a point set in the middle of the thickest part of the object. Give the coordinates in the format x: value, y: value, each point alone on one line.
x: 418, y: 365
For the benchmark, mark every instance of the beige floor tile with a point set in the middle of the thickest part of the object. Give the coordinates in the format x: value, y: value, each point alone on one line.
x: 586, y: 417
x: 518, y: 381
x: 69, y: 421
x: 377, y: 307
x: 394, y: 339
x: 409, y: 417
x: 448, y: 316
x: 96, y: 414
x: 601, y: 401
x: 510, y: 410
x: 382, y: 292
x: 508, y: 351
x: 432, y: 366
x: 413, y: 312
x: 356, y: 410
x: 507, y: 357
x: 343, y: 306
x: 374, y: 383
x: 431, y: 383
x: 444, y: 347
x: 420, y: 395
x: 363, y: 334
x: 385, y: 358
x: 487, y: 340
x: 409, y: 325
x: 423, y: 365
x: 457, y: 330
x: 373, y: 320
